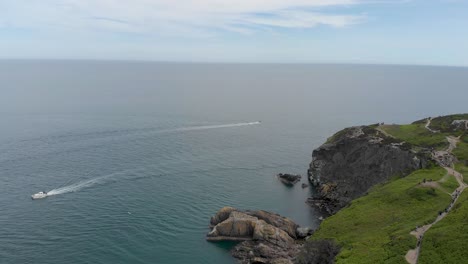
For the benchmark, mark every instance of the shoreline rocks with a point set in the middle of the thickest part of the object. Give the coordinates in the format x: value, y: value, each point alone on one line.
x: 266, y: 237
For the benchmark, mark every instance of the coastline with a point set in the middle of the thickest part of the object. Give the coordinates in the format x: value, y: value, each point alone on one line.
x: 353, y: 167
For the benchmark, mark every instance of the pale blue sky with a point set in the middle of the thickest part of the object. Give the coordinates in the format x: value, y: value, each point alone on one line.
x: 430, y: 32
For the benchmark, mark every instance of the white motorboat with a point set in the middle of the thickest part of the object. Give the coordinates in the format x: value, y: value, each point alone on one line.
x: 39, y: 195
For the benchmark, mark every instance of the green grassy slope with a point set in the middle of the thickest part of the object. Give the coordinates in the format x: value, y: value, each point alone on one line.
x: 375, y: 228
x: 463, y: 169
x: 462, y: 149
x: 449, y: 183
x: 447, y: 241
x: 417, y: 134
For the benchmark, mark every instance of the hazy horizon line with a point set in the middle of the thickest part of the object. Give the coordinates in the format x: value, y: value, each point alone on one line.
x: 230, y: 62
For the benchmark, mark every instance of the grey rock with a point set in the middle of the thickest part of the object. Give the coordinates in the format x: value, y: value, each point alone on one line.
x: 237, y: 227
x: 264, y: 253
x: 459, y: 125
x: 276, y: 220
x: 354, y: 160
x: 303, y: 232
x: 221, y: 215
x: 289, y: 179
x: 267, y: 237
x: 271, y: 234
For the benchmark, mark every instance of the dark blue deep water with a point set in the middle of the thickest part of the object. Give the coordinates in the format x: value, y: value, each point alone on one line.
x: 142, y: 154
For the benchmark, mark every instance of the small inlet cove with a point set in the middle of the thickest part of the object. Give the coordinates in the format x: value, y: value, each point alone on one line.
x: 231, y: 163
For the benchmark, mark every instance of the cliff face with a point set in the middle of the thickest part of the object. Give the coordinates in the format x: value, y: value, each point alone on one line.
x: 355, y: 159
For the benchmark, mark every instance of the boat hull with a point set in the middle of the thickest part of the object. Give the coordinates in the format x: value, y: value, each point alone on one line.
x: 38, y: 196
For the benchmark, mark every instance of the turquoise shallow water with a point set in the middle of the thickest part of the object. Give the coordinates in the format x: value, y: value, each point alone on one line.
x: 147, y: 157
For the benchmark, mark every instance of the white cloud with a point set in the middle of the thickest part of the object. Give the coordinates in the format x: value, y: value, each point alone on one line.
x: 300, y: 19
x: 165, y: 16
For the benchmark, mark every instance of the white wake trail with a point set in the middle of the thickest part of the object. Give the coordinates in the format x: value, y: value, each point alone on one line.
x: 80, y: 185
x: 212, y: 126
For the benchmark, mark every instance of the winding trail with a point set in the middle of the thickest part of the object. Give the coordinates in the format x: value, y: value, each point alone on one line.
x: 429, y: 119
x: 413, y: 254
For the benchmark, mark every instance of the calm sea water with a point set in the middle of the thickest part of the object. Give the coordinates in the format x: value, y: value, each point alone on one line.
x: 142, y: 154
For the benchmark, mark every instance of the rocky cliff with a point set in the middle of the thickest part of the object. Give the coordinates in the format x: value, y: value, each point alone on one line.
x: 344, y: 168
x: 355, y: 159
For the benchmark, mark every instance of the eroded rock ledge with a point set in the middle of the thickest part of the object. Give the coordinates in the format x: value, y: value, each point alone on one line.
x: 267, y: 237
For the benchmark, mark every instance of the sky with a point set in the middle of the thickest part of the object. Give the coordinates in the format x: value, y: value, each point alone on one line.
x: 422, y: 32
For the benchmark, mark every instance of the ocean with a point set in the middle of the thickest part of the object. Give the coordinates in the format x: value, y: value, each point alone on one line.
x: 140, y: 155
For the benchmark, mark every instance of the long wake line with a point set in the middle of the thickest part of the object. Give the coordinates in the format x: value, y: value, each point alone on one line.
x: 83, y: 184
x: 193, y: 128
x: 79, y: 185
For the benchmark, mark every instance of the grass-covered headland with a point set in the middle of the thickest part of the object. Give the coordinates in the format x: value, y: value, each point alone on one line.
x: 375, y: 228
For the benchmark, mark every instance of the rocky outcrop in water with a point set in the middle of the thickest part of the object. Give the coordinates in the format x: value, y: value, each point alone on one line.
x: 355, y: 159
x: 289, y: 179
x: 267, y: 237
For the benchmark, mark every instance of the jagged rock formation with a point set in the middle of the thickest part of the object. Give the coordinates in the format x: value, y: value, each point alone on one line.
x: 268, y: 237
x: 355, y: 159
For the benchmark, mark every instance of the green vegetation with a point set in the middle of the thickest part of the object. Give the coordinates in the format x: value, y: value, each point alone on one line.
x: 337, y: 135
x: 420, y: 121
x: 446, y: 241
x: 443, y: 123
x: 449, y: 183
x: 375, y: 228
x: 463, y: 169
x: 461, y: 151
x: 417, y: 134
x: 464, y: 138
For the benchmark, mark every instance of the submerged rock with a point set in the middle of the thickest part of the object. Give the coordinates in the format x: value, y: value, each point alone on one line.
x: 289, y: 179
